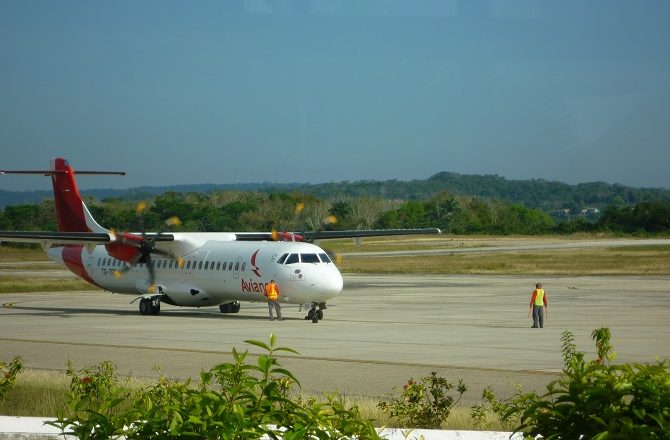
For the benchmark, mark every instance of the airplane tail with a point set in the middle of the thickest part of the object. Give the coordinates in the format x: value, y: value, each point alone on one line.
x: 71, y: 212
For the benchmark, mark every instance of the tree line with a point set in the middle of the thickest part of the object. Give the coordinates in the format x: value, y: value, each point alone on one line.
x: 259, y: 211
x: 533, y: 193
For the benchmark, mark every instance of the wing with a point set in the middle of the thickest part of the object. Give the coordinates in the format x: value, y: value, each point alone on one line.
x: 64, y: 238
x: 324, y: 235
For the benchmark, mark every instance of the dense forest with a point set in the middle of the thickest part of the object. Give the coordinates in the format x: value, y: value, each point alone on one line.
x: 260, y: 211
x: 547, y: 196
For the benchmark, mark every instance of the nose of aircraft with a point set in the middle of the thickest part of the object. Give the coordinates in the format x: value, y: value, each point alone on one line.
x: 328, y: 284
x: 332, y: 283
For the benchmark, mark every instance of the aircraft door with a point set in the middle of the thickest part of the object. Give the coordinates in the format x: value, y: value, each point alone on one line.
x: 89, y: 263
x: 238, y: 264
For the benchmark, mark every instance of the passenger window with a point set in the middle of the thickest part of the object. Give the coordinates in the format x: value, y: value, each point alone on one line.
x: 188, y: 265
x: 237, y: 266
x: 230, y: 266
x: 293, y: 258
x: 206, y: 265
x: 218, y: 265
x: 200, y: 265
x: 325, y: 258
x: 309, y: 258
x: 282, y: 259
x: 244, y: 265
x: 99, y: 261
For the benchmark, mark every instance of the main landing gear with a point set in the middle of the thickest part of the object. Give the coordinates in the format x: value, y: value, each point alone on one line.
x: 150, y: 306
x: 231, y: 307
x: 316, y: 312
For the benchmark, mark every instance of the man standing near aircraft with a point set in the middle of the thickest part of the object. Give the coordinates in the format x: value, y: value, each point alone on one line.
x: 272, y: 294
x: 538, y: 305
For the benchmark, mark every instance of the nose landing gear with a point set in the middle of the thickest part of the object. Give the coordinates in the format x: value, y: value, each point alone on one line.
x: 316, y: 312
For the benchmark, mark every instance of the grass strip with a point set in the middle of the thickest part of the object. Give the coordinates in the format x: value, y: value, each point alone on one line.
x: 645, y: 260
x: 18, y: 284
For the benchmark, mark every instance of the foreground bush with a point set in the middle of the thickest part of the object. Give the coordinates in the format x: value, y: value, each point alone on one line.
x: 8, y: 373
x: 424, y: 404
x: 593, y: 400
x: 234, y: 400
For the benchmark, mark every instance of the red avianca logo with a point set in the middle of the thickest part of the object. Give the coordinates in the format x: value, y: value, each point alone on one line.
x: 255, y: 269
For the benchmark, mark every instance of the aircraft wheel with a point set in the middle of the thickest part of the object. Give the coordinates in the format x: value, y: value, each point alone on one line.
x: 145, y: 306
x: 155, y: 308
x: 319, y: 314
x: 233, y: 307
x: 315, y: 319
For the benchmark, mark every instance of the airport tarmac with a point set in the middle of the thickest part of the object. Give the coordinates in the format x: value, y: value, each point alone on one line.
x: 381, y: 331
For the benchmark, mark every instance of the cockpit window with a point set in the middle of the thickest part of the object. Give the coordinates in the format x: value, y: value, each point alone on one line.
x: 293, y: 258
x: 325, y: 258
x: 309, y: 258
x: 282, y: 259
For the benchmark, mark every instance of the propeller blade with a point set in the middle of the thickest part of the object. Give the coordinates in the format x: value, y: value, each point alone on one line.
x: 130, y: 265
x: 173, y: 221
x: 152, y: 270
x: 141, y: 207
x: 180, y: 261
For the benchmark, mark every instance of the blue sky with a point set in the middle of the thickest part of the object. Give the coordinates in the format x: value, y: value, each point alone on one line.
x: 177, y: 92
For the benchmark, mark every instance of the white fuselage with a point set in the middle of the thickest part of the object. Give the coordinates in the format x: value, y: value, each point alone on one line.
x: 217, y: 269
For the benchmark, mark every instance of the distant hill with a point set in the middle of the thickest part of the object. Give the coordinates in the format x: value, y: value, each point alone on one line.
x: 535, y: 193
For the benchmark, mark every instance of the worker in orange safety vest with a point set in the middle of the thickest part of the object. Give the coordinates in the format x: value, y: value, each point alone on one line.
x: 538, y: 305
x: 272, y: 294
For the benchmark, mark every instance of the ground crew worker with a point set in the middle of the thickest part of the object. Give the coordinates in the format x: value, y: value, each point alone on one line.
x: 272, y: 294
x: 538, y: 305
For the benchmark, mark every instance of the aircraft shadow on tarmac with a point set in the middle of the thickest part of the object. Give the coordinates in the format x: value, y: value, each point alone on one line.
x: 66, y: 312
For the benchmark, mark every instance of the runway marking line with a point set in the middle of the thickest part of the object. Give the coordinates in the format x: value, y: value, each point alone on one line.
x: 305, y: 358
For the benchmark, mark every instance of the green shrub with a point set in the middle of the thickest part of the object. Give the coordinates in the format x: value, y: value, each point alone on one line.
x: 234, y: 400
x: 424, y: 404
x: 8, y: 373
x: 592, y: 400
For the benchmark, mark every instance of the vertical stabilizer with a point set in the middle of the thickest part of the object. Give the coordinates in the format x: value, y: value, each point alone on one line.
x: 71, y: 212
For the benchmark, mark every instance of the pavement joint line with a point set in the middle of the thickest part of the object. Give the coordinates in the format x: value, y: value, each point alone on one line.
x: 306, y: 358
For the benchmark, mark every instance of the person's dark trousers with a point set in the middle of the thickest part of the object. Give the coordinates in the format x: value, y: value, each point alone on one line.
x: 538, y: 316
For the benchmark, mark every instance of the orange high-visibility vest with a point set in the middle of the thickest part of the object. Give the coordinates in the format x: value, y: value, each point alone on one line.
x: 272, y: 292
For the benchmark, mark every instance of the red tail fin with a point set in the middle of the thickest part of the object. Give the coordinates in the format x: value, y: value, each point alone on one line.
x: 71, y: 212
x: 69, y: 206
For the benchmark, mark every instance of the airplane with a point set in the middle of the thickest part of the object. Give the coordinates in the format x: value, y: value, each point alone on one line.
x: 189, y: 269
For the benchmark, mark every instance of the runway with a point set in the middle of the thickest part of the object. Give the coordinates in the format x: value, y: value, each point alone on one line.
x: 380, y: 332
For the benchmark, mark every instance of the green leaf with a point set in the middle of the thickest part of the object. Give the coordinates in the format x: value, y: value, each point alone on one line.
x: 260, y: 344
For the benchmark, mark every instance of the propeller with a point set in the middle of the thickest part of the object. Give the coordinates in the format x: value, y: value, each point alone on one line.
x: 144, y: 246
